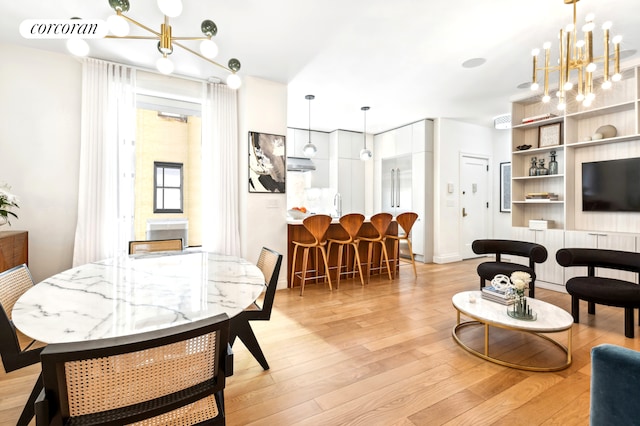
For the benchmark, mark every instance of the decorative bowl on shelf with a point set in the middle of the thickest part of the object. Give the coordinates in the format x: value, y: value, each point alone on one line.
x: 523, y: 147
x: 297, y: 214
x: 607, y: 131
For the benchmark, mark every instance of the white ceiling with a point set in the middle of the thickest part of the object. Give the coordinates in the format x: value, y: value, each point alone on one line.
x: 403, y: 58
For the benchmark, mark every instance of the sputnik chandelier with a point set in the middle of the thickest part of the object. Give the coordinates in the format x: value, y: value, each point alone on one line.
x: 118, y: 25
x: 576, y: 55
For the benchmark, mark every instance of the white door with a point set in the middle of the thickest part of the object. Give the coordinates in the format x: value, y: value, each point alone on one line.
x: 474, y: 202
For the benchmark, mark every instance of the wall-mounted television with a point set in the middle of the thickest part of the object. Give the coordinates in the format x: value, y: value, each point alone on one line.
x: 611, y: 186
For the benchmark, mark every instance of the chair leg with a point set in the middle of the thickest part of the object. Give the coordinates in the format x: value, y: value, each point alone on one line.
x: 386, y: 258
x: 369, y: 255
x: 413, y: 261
x: 532, y: 289
x: 591, y: 308
x: 482, y: 283
x: 305, y: 258
x: 293, y: 266
x: 575, y: 309
x: 326, y: 266
x: 339, y: 264
x: 358, y: 264
x: 629, y: 323
x: 245, y: 333
x: 29, y: 409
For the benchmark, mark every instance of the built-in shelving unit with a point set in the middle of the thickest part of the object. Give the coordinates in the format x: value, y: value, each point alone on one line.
x: 620, y: 107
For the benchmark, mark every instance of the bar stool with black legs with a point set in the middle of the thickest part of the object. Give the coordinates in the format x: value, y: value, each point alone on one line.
x: 405, y: 222
x: 317, y: 225
x: 351, y: 223
x: 380, y: 223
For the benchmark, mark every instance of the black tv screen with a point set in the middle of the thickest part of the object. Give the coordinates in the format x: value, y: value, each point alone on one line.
x: 611, y: 186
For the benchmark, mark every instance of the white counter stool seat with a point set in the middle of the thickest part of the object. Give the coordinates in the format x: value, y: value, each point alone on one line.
x: 380, y: 223
x: 351, y: 223
x: 405, y: 222
x: 317, y: 225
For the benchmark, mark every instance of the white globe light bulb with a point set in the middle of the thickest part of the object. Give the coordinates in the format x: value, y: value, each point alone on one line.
x: 591, y: 67
x: 309, y: 150
x: 568, y: 85
x: 171, y: 8
x: 535, y: 86
x: 233, y: 81
x: 616, y: 77
x: 535, y: 51
x: 164, y: 65
x: 606, y: 84
x: 118, y: 26
x: 546, y: 98
x: 208, y: 48
x: 365, y: 154
x: 580, y: 97
x: 561, y: 106
x: 78, y: 46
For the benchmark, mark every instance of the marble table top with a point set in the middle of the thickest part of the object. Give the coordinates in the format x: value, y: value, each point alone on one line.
x: 550, y: 318
x: 134, y: 294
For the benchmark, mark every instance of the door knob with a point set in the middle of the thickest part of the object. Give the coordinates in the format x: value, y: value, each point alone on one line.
x: 464, y: 212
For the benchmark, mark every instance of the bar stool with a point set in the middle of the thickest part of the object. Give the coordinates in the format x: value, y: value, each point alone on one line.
x: 317, y: 226
x: 405, y: 221
x: 351, y: 223
x: 380, y: 222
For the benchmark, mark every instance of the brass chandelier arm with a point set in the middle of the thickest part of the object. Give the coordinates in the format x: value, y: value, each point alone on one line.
x: 204, y: 57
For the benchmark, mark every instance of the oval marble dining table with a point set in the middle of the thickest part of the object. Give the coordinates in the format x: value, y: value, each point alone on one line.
x: 134, y: 294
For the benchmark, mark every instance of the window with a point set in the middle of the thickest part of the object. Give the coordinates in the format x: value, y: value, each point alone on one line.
x: 168, y: 187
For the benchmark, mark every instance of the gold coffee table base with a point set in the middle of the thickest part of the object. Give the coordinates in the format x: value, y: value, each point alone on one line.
x: 486, y: 356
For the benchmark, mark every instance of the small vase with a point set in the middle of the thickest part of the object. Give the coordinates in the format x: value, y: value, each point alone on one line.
x: 553, y: 164
x: 533, y: 170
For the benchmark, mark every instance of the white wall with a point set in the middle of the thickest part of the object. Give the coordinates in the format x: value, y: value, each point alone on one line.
x: 262, y: 107
x: 501, y: 154
x: 453, y: 138
x: 40, y: 98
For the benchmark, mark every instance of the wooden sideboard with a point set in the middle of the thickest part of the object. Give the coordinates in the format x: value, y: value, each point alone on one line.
x: 297, y: 232
x: 14, y: 249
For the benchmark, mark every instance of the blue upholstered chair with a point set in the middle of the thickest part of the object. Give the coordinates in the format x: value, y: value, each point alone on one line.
x: 615, y: 382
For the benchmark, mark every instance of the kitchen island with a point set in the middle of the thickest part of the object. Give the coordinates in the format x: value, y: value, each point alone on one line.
x: 297, y: 232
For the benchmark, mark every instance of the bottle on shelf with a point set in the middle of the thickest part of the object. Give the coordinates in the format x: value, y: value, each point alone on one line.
x: 542, y: 170
x: 533, y: 170
x: 553, y: 164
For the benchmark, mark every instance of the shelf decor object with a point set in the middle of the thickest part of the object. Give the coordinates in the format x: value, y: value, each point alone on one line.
x: 550, y: 135
x: 576, y: 54
x: 119, y: 27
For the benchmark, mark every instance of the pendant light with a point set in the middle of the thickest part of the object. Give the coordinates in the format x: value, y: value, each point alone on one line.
x: 309, y: 149
x: 365, y: 154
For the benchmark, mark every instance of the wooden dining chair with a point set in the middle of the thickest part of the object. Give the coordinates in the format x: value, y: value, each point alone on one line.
x: 269, y: 263
x: 149, y: 246
x: 16, y: 349
x: 351, y: 223
x: 174, y: 375
x: 380, y: 223
x: 317, y: 225
x: 405, y: 221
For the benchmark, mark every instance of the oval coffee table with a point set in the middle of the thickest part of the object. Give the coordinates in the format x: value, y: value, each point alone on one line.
x: 550, y: 319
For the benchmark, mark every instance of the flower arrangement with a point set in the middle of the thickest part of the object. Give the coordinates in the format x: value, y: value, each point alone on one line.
x: 520, y: 282
x: 7, y: 202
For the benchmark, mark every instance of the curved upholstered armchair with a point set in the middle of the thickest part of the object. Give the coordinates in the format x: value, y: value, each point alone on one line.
x: 536, y: 253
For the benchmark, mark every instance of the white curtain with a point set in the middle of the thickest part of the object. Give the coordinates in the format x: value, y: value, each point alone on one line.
x: 220, y: 227
x: 107, y: 162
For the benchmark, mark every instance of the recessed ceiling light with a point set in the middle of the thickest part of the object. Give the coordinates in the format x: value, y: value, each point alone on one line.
x: 473, y: 63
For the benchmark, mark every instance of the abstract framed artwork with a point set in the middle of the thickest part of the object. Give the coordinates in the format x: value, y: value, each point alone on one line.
x: 267, y: 163
x: 505, y: 187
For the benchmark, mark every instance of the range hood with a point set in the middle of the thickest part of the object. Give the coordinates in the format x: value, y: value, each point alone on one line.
x: 300, y: 164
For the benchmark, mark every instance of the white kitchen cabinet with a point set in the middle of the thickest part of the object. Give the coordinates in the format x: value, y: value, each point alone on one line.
x: 552, y: 240
x: 605, y: 241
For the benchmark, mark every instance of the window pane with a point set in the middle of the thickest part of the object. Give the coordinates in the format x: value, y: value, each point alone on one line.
x: 159, y: 174
x: 172, y: 177
x: 159, y: 199
x: 172, y: 199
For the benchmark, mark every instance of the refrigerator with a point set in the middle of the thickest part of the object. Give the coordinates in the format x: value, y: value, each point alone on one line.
x: 396, y: 189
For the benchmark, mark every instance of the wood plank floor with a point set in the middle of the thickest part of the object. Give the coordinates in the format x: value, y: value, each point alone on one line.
x: 383, y: 355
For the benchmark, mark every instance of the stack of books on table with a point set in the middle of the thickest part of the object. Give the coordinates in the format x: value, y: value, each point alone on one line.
x: 540, y: 197
x: 498, y: 296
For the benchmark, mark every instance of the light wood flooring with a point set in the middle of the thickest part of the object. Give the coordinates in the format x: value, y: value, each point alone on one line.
x: 383, y: 355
